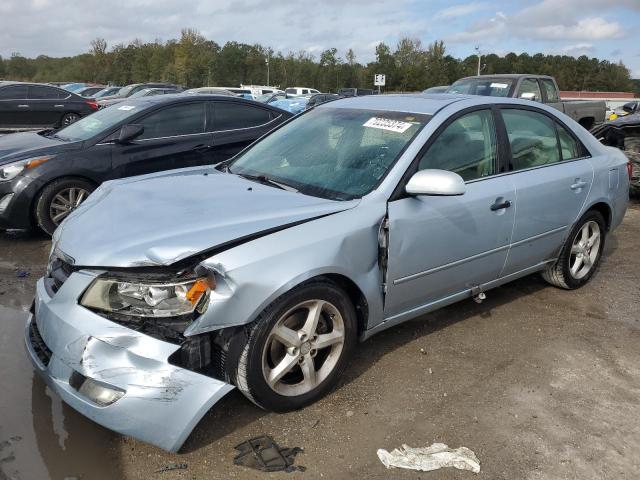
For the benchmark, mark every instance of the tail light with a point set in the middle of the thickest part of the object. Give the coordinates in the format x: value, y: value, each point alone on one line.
x: 92, y: 104
x: 630, y: 169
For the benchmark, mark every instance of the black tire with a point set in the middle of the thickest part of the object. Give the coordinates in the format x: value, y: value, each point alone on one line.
x: 43, y: 202
x: 249, y: 376
x: 69, y: 118
x: 559, y: 274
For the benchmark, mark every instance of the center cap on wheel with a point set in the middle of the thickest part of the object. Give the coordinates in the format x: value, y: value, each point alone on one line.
x: 305, y: 348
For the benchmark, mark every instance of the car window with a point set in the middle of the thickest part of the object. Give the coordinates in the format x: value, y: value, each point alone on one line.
x: 231, y: 116
x: 550, y: 89
x: 185, y: 119
x: 336, y: 153
x: 290, y: 90
x: 532, y: 137
x: 568, y: 145
x: 14, y: 92
x: 492, y: 87
x: 530, y: 90
x: 304, y: 91
x: 468, y: 147
x: 37, y: 92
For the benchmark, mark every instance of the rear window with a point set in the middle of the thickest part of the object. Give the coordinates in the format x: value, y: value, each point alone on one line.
x: 290, y: 90
x: 233, y: 116
x: 490, y: 87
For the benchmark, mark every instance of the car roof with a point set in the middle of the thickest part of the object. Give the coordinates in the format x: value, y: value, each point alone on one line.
x: 514, y: 76
x: 180, y: 98
x: 424, y: 103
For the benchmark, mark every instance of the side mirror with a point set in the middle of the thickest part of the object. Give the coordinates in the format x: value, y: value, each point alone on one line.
x: 129, y: 132
x: 529, y: 96
x: 630, y: 107
x: 435, y: 182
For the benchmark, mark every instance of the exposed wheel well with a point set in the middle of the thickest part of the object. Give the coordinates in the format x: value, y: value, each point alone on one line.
x: 356, y: 296
x: 605, y: 211
x: 587, y: 122
x: 34, y: 200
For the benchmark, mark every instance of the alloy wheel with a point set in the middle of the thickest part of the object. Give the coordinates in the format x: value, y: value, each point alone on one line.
x: 585, y: 250
x: 65, y: 202
x: 69, y: 119
x: 303, y: 347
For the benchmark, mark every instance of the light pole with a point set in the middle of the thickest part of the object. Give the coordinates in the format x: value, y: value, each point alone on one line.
x: 266, y: 60
x: 479, y: 58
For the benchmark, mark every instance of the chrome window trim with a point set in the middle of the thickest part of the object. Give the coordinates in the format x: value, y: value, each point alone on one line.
x: 248, y: 128
x: 158, y: 138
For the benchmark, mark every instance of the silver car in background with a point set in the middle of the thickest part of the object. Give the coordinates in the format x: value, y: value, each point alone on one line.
x: 166, y: 291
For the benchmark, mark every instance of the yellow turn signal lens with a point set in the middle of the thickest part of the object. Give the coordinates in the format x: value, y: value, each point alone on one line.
x: 199, y: 288
x: 34, y: 162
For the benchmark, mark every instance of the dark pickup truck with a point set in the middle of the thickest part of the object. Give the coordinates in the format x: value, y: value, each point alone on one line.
x: 538, y: 88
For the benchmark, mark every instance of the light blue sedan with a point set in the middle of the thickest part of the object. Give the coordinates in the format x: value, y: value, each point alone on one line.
x: 166, y: 291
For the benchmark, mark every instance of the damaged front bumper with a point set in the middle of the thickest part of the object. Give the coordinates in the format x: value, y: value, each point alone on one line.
x: 117, y: 377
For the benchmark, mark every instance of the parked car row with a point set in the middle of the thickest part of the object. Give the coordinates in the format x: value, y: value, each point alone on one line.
x: 46, y: 175
x: 261, y: 272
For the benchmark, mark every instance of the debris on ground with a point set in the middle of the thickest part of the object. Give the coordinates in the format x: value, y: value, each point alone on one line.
x: 430, y: 458
x: 172, y: 466
x: 23, y: 273
x: 264, y: 454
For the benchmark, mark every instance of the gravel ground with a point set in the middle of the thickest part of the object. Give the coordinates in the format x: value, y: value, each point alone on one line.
x: 540, y: 383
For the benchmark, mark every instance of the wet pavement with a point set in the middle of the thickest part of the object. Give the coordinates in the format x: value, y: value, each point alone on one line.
x: 540, y: 383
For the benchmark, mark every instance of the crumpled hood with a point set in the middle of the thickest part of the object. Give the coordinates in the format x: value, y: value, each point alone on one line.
x: 162, y: 218
x: 16, y: 146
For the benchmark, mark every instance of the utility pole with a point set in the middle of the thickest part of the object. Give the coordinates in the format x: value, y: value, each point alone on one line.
x: 479, y: 58
x: 266, y: 60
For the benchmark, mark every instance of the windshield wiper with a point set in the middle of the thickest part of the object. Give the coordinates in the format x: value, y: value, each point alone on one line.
x: 267, y: 181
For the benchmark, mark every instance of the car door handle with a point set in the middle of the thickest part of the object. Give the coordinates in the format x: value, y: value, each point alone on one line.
x: 58, y: 106
x: 23, y: 106
x: 501, y: 205
x: 201, y: 148
x: 578, y: 184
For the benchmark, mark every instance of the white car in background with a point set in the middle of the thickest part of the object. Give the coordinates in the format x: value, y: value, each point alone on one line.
x: 297, y: 91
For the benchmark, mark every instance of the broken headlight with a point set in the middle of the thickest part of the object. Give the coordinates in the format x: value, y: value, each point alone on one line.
x: 148, y: 299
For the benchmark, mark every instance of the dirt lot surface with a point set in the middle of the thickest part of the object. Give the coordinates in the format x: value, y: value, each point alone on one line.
x: 540, y: 383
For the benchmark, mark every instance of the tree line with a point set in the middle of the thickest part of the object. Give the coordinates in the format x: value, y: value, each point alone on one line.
x: 194, y: 61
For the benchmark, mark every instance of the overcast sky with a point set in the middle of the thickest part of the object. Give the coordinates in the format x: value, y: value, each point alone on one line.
x: 608, y: 29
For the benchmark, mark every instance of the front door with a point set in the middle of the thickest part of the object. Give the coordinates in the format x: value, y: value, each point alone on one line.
x: 14, y: 107
x: 173, y: 137
x: 552, y: 177
x: 443, y: 246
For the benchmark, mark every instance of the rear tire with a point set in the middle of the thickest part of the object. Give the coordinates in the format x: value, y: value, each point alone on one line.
x: 580, y: 254
x: 69, y: 118
x: 58, y: 199
x: 297, y: 349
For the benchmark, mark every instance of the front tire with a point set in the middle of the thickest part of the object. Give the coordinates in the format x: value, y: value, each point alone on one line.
x: 297, y: 349
x: 580, y: 255
x: 58, y: 199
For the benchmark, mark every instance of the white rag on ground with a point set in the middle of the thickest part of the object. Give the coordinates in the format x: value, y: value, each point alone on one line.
x: 430, y: 458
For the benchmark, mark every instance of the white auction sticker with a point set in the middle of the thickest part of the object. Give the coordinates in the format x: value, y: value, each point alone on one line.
x: 387, y: 124
x: 126, y: 108
x: 499, y: 85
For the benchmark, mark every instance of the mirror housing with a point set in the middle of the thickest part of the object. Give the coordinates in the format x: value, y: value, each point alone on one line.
x: 436, y: 182
x: 529, y: 96
x: 129, y: 132
x: 630, y: 107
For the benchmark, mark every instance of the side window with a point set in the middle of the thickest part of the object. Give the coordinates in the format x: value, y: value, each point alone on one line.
x: 37, y: 92
x: 568, y: 145
x: 177, y: 120
x: 468, y: 147
x: 532, y: 137
x: 232, y: 116
x: 14, y: 92
x: 551, y: 90
x: 530, y: 90
x: 304, y: 91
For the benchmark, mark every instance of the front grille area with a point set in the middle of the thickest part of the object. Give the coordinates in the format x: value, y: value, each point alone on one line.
x: 41, y: 349
x: 59, y: 272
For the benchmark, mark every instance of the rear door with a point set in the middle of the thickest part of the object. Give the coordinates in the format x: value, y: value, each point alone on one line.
x: 14, y: 108
x: 174, y: 137
x: 47, y: 105
x: 443, y: 246
x: 237, y: 125
x: 552, y: 176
